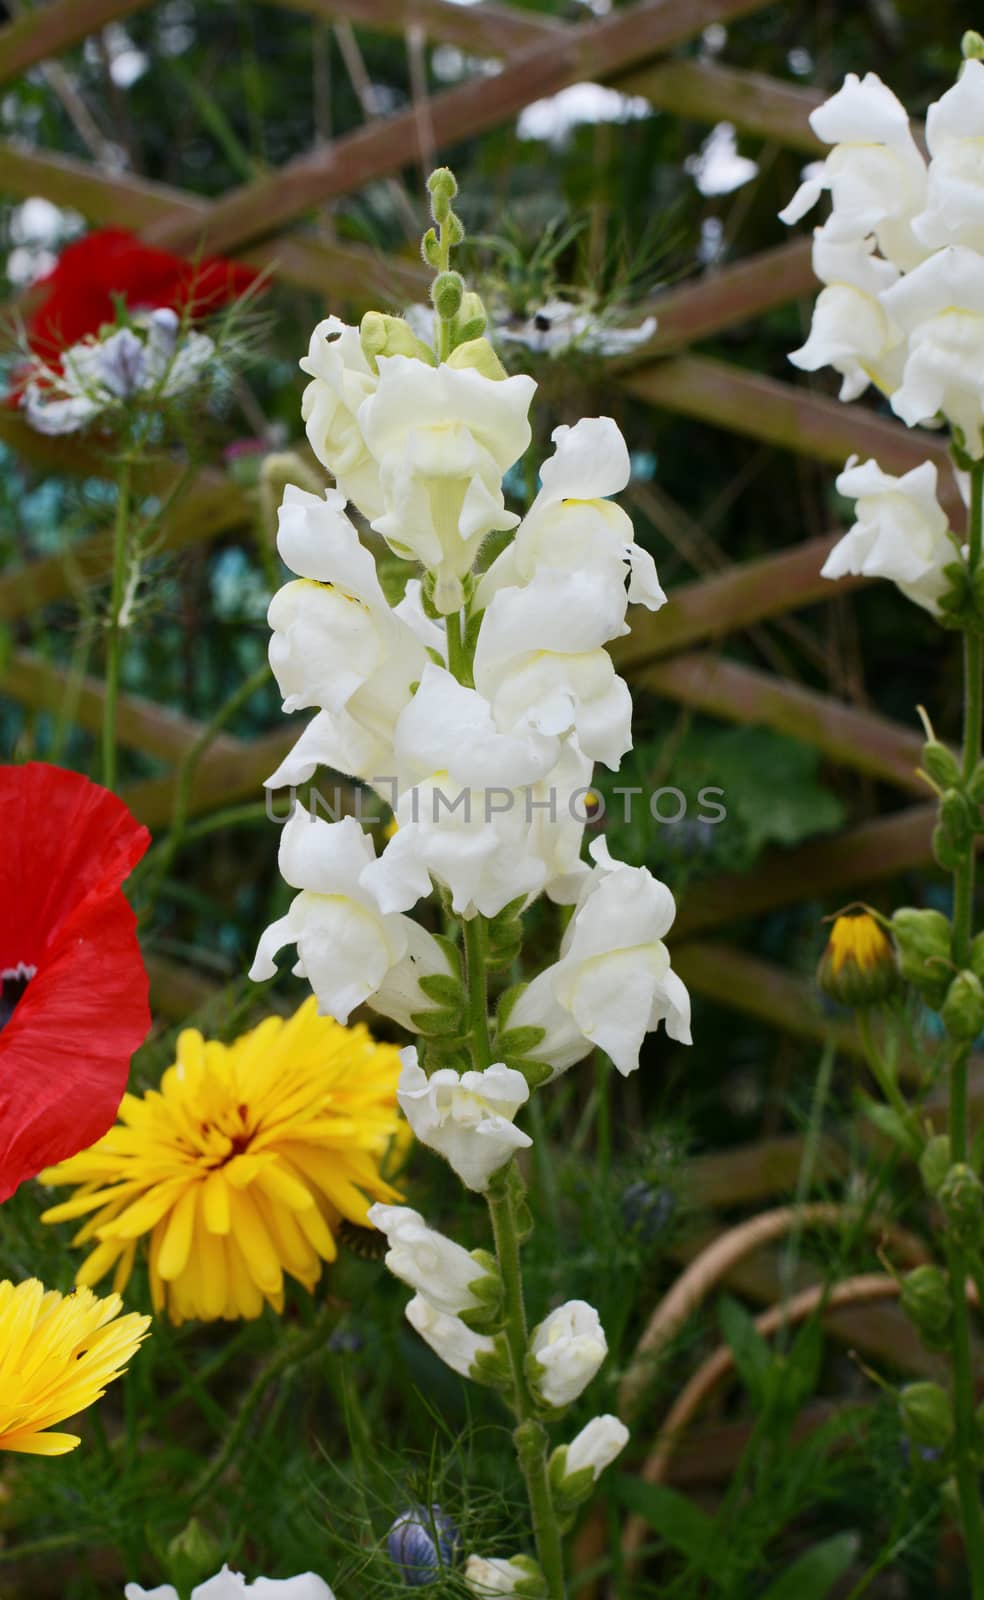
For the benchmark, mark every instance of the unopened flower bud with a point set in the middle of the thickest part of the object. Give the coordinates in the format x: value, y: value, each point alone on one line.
x: 940, y: 763
x: 925, y: 1299
x: 576, y: 1467
x: 422, y: 1542
x: 955, y: 817
x: 192, y: 1556
x: 442, y: 181
x: 480, y: 356
x: 492, y: 1576
x: 947, y: 851
x: 963, y: 1009
x: 934, y: 1163
x: 452, y: 1280
x: 383, y: 335
x: 961, y: 1197
x: 972, y: 45
x: 923, y: 941
x: 926, y: 1415
x: 858, y: 967
x: 447, y: 292
x: 472, y: 318
x: 566, y: 1350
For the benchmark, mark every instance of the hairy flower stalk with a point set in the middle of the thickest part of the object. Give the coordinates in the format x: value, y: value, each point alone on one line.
x: 476, y: 707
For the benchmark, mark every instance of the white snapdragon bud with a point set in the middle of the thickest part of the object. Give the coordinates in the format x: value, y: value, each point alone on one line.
x: 596, y: 1446
x: 954, y: 211
x: 443, y: 437
x: 851, y: 331
x: 466, y: 1118
x: 348, y: 949
x: 901, y: 531
x: 453, y: 1280
x: 337, y: 644
x: 229, y: 1585
x: 875, y: 173
x: 613, y: 982
x: 566, y: 1350
x: 486, y: 1576
x: 342, y: 378
x: 572, y: 525
x: 471, y: 1355
x: 940, y: 306
x: 540, y: 662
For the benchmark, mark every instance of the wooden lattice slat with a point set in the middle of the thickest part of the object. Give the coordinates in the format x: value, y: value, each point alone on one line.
x: 36, y: 35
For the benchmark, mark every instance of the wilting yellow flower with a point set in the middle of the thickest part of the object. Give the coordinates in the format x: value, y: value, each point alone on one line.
x: 858, y: 967
x: 240, y: 1167
x: 57, y: 1354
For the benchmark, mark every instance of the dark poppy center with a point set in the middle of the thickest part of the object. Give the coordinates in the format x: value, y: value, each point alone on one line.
x: 13, y: 982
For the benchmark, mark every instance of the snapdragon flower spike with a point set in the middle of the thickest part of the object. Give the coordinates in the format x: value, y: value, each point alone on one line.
x: 423, y: 1541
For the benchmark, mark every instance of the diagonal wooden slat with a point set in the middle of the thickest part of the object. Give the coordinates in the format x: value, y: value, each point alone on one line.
x: 757, y: 988
x: 722, y: 298
x: 50, y: 29
x: 703, y: 91
x: 590, y: 50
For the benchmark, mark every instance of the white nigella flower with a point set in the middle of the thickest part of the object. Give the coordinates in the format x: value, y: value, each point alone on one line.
x: 954, y: 211
x: 341, y: 379
x: 540, y: 662
x: 597, y: 1445
x: 851, y: 329
x: 901, y: 532
x: 228, y: 1585
x: 559, y: 326
x: 437, y: 1268
x: 338, y: 645
x: 572, y: 525
x: 566, y: 1350
x: 492, y: 1575
x: 347, y: 948
x: 466, y: 1118
x: 940, y: 306
x: 448, y: 1337
x: 875, y: 174
x: 613, y: 982
x: 443, y: 437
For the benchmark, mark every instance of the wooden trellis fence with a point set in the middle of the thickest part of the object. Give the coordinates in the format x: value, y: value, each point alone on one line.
x: 671, y: 655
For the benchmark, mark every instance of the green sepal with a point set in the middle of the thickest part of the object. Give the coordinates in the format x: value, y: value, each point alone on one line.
x: 955, y: 817
x: 441, y: 987
x: 962, y: 1011
x: 442, y: 1024
x: 472, y: 629
x: 934, y: 1163
x: 927, y: 1415
x: 536, y: 1073
x: 889, y: 1122
x: 947, y: 854
x: 439, y: 1053
x: 941, y: 764
x: 520, y: 1041
x: 430, y: 249
x: 927, y: 1302
x: 488, y: 1290
x: 507, y: 1000
x: 492, y: 1367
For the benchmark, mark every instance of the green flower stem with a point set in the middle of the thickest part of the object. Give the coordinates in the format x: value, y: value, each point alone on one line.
x: 114, y: 646
x: 530, y: 1437
x: 457, y: 655
x: 478, y: 1004
x: 964, y: 1399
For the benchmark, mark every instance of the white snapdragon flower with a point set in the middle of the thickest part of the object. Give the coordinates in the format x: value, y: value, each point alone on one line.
x: 901, y: 532
x: 466, y: 1118
x: 572, y: 525
x: 428, y: 1262
x: 341, y: 379
x: 348, y: 949
x: 443, y: 437
x: 875, y: 173
x: 228, y: 1585
x: 566, y: 1350
x: 448, y: 1337
x: 851, y: 330
x: 613, y: 982
x: 540, y: 661
x: 954, y: 211
x: 940, y: 306
x: 596, y: 1446
x: 338, y: 645
x: 492, y: 1575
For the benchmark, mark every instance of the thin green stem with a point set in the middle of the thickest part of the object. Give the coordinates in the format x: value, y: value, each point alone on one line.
x: 457, y: 655
x: 114, y: 643
x: 888, y: 1084
x: 478, y: 1003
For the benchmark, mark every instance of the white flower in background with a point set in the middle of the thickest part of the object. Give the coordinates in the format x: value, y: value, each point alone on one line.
x: 466, y: 1118
x: 559, y: 326
x: 443, y: 437
x: 613, y: 982
x: 338, y: 645
x: 940, y: 306
x: 341, y: 379
x: 901, y: 532
x: 540, y: 662
x: 954, y: 211
x: 572, y: 525
x: 875, y: 173
x: 597, y: 1445
x: 442, y: 1271
x: 566, y: 1350
x: 457, y: 1346
x: 492, y: 1575
x: 146, y: 360
x: 851, y: 330
x: 348, y: 949
x: 228, y: 1585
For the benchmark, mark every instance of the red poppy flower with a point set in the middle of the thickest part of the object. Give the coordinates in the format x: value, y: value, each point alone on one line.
x: 73, y: 989
x: 76, y: 297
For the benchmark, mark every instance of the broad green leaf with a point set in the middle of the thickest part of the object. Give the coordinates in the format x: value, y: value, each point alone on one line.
x: 813, y: 1576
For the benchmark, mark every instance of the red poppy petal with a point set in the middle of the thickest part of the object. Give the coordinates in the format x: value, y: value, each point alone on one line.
x: 65, y: 1053
x: 62, y: 839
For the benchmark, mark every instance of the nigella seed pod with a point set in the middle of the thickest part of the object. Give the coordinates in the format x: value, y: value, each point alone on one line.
x: 423, y: 1542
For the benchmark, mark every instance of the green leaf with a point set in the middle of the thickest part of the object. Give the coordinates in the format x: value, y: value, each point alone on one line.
x: 753, y: 1358
x: 813, y: 1576
x: 520, y: 1041
x: 676, y: 1519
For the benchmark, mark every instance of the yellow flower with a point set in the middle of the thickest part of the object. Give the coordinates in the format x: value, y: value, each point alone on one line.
x: 57, y: 1354
x: 241, y: 1167
x: 858, y: 967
